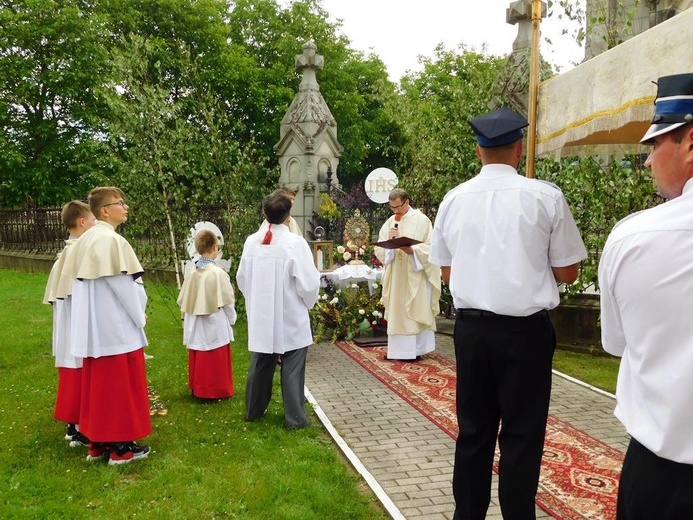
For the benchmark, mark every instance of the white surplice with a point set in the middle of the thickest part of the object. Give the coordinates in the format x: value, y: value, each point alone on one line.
x: 61, y: 303
x: 280, y: 283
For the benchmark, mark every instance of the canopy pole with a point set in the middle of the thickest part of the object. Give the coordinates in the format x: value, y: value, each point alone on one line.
x: 533, y: 88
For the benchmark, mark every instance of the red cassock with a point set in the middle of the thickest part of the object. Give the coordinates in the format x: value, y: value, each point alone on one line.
x: 210, y: 375
x: 115, y: 403
x: 69, y: 395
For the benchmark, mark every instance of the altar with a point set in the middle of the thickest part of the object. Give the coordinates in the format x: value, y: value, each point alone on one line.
x: 353, y: 273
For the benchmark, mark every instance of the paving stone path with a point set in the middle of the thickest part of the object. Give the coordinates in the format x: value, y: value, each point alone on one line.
x: 408, y: 456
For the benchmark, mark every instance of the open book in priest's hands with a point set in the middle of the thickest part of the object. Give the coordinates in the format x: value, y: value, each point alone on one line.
x: 396, y: 243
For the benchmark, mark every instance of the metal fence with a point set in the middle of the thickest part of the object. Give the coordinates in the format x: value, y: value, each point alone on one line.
x: 40, y: 230
x: 32, y: 230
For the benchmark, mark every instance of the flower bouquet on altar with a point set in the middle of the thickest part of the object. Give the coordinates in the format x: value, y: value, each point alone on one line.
x: 347, y: 312
x: 343, y: 254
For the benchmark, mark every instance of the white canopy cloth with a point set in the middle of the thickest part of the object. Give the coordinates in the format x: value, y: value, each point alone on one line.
x: 605, y: 105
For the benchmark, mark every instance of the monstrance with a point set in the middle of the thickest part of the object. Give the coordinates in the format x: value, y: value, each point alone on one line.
x: 357, y: 231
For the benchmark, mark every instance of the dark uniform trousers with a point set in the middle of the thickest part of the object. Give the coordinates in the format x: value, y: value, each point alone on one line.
x: 652, y: 487
x: 503, y: 377
x: 258, y: 388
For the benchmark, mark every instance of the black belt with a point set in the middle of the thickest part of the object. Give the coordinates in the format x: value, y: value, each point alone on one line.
x: 478, y: 313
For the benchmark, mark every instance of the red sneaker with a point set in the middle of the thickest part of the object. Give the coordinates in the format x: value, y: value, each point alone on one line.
x: 98, y: 451
x: 126, y: 452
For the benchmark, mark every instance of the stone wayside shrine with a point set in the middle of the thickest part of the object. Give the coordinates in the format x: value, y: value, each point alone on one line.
x: 308, y: 147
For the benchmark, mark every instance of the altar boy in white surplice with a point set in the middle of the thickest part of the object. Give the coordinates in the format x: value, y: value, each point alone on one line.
x: 78, y: 218
x: 207, y: 301
x: 411, y: 284
x: 280, y: 283
x: 107, y: 331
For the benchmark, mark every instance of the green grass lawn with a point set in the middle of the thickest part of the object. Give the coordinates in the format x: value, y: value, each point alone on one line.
x: 598, y: 371
x: 207, y: 462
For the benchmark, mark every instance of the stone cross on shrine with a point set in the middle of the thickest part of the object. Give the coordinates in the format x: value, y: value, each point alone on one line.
x: 512, y: 85
x: 520, y: 13
x: 308, y: 147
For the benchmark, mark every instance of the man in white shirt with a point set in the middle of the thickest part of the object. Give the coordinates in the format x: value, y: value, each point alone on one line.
x: 503, y: 243
x: 107, y: 322
x: 280, y: 284
x: 646, y: 285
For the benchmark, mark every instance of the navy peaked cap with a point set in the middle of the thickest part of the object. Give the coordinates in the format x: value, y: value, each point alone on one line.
x: 500, y: 127
x: 673, y: 105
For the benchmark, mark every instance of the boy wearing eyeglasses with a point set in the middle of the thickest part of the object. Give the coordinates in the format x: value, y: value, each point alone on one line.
x: 108, y: 318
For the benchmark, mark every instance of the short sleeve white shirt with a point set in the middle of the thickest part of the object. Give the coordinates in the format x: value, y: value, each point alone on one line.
x: 501, y: 233
x: 646, y: 286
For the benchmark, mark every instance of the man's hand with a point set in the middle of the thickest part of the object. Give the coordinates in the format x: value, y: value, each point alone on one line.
x: 407, y: 249
x: 392, y: 234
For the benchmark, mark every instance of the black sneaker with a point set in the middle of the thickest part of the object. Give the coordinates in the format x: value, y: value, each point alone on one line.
x: 79, y: 440
x: 71, y: 431
x: 126, y: 452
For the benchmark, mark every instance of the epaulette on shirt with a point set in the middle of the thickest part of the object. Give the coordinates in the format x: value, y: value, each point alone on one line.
x: 627, y: 218
x: 550, y: 184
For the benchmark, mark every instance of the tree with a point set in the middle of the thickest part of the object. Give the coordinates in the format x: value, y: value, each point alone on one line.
x: 435, y: 108
x: 600, y: 193
x: 51, y: 60
x: 56, y: 54
x: 169, y: 161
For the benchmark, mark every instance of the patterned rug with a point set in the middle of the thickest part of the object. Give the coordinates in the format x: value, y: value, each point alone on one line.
x: 579, y: 474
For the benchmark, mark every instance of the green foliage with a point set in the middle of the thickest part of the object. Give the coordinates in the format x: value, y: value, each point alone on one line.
x: 600, y: 193
x: 435, y: 108
x: 207, y: 461
x: 219, y: 71
x: 173, y: 154
x: 51, y: 59
x: 347, y: 312
x: 611, y: 22
x: 327, y: 209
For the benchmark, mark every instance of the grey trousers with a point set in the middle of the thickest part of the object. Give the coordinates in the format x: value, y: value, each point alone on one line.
x: 258, y: 388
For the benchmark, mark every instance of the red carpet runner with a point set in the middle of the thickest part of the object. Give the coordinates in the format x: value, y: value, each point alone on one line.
x: 579, y: 474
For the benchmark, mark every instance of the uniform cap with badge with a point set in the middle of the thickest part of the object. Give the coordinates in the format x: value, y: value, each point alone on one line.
x: 673, y: 105
x: 498, y: 128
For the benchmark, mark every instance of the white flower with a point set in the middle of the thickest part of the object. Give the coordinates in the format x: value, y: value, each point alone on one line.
x: 338, y: 291
x: 350, y: 244
x: 354, y: 286
x: 362, y: 312
x: 375, y: 285
x: 361, y: 250
x: 375, y: 313
x: 374, y: 322
x: 334, y: 301
x: 347, y: 256
x: 341, y: 250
